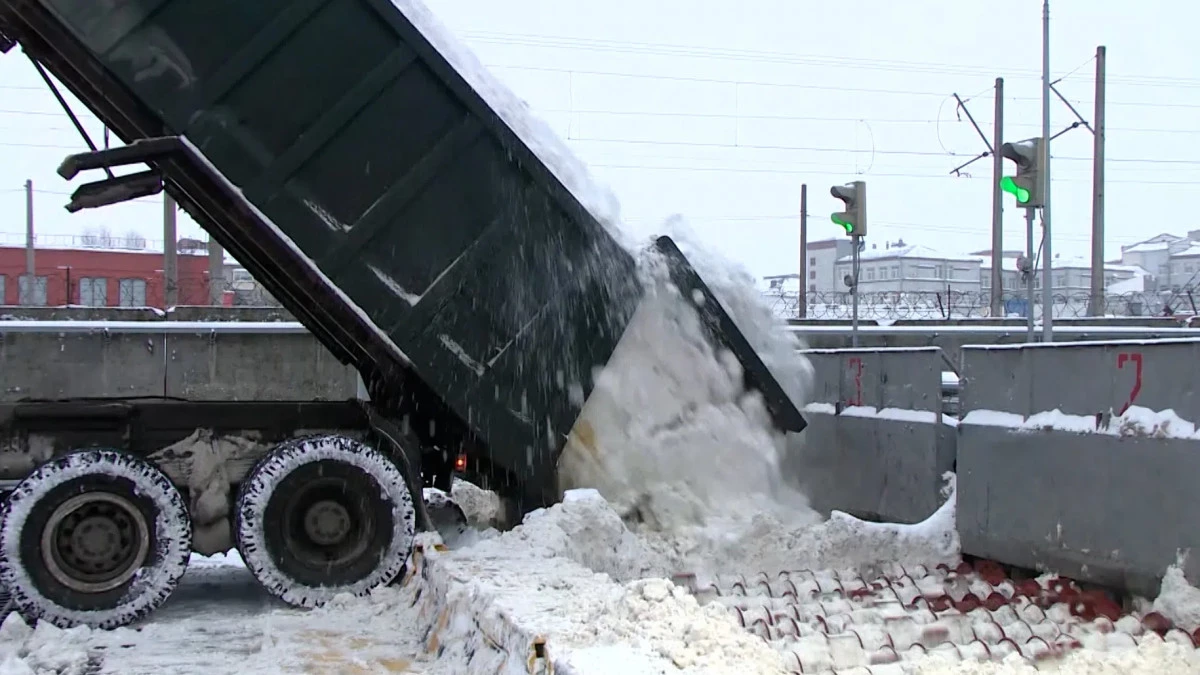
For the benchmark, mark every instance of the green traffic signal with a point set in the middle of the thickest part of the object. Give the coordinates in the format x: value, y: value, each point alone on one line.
x: 1009, y: 185
x: 846, y: 225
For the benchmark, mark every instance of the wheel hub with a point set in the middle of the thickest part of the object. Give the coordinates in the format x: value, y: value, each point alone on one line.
x: 327, y: 522
x: 95, y: 542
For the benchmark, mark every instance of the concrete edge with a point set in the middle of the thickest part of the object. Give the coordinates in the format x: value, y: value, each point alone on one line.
x: 476, y: 620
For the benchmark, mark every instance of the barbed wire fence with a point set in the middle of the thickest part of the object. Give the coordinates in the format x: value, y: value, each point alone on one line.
x: 950, y: 305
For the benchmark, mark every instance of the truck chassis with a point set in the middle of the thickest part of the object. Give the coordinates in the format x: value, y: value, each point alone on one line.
x: 107, y: 499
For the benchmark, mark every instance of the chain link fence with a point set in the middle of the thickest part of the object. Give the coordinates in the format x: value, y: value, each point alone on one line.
x: 946, y: 305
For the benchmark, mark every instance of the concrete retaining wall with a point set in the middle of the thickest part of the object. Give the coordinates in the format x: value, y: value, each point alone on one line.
x: 876, y: 445
x: 213, y: 365
x: 1102, y: 507
x: 952, y: 339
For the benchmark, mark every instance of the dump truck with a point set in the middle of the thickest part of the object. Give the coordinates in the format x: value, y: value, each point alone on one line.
x: 405, y: 208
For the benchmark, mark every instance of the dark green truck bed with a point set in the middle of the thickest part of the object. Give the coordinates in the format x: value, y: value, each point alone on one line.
x: 382, y: 196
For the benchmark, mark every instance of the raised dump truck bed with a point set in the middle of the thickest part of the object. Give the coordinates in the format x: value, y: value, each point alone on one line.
x: 390, y: 195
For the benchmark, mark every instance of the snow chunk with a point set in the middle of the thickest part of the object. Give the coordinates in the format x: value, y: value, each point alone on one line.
x: 1178, y: 600
x: 45, y: 649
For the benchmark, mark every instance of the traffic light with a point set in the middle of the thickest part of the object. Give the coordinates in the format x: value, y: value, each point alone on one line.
x: 1026, y: 186
x: 854, y: 218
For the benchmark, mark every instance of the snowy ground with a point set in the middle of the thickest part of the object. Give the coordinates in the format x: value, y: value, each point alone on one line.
x: 576, y: 589
x: 221, y: 621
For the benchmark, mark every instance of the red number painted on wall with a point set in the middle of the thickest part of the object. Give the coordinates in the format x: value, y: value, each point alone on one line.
x: 855, y: 364
x: 1136, y: 358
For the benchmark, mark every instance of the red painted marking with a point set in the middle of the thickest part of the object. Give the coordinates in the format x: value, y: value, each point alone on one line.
x: 1136, y: 357
x: 856, y: 365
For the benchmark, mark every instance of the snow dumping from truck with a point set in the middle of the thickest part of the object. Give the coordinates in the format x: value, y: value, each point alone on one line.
x: 404, y: 205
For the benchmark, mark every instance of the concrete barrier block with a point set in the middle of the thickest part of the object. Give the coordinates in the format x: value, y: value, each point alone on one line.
x: 263, y: 367
x: 873, y: 467
x: 69, y: 365
x: 1106, y: 509
x: 907, y: 378
x: 1082, y: 379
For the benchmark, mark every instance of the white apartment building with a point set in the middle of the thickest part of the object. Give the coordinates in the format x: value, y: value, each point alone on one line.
x: 823, y: 256
x: 909, y: 268
x: 1072, y: 275
x: 1173, y: 262
x: 822, y: 274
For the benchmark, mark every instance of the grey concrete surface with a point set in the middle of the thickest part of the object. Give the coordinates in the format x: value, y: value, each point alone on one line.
x: 1099, y: 508
x: 48, y: 366
x: 879, y: 377
x: 870, y: 467
x: 1083, y: 379
x: 879, y: 468
x: 226, y: 367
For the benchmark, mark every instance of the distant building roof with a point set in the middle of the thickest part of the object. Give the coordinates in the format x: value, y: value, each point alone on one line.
x: 1158, y: 242
x: 916, y: 251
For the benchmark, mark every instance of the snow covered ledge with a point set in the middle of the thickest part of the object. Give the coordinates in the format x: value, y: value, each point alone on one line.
x: 508, y: 605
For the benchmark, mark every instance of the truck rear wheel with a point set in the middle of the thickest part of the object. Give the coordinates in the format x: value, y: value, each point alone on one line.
x: 322, y: 516
x: 97, y: 537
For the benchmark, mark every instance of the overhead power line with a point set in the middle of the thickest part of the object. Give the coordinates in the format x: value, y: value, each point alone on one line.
x: 788, y: 58
x: 757, y: 83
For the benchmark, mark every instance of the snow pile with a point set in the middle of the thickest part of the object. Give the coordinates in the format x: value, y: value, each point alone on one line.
x: 669, y: 416
x: 1177, y: 599
x: 765, y: 543
x: 1153, y: 656
x: 538, y: 581
x: 585, y: 529
x: 1134, y: 422
x: 672, y: 437
x: 46, y: 649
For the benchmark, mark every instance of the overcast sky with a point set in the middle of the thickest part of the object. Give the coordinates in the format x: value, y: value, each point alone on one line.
x: 720, y: 111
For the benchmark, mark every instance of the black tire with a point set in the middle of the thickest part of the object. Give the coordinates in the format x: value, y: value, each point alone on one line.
x: 97, y: 538
x: 322, y: 516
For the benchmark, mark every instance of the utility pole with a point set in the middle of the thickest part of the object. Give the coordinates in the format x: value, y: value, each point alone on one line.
x: 997, y: 205
x: 170, y: 255
x: 1047, y: 262
x: 30, y: 268
x: 1096, y: 306
x: 802, y: 309
x: 216, y: 272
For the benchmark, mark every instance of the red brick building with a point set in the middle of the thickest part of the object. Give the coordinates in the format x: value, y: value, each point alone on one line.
x: 99, y: 277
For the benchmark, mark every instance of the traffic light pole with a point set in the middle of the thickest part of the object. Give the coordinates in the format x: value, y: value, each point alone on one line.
x: 1029, y: 279
x: 855, y: 241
